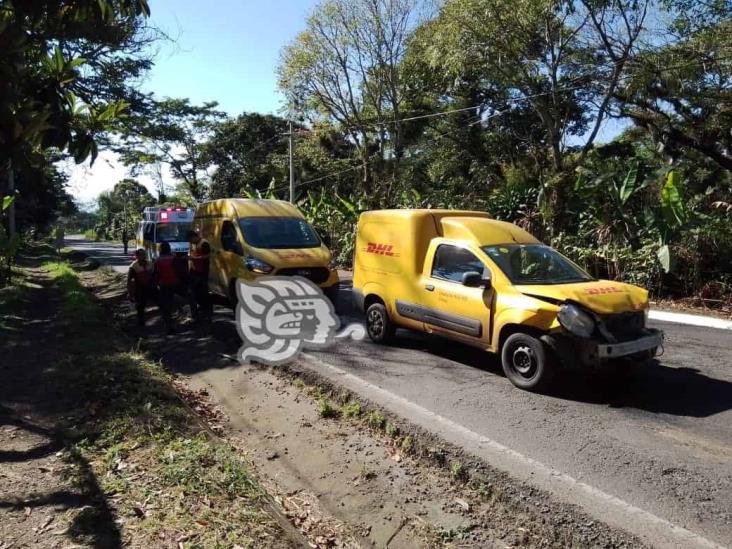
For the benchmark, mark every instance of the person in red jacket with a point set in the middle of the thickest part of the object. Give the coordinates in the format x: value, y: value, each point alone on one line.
x: 199, y: 258
x: 168, y: 283
x: 140, y: 284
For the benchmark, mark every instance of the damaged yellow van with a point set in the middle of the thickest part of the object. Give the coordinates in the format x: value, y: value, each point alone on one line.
x: 493, y: 285
x: 254, y: 237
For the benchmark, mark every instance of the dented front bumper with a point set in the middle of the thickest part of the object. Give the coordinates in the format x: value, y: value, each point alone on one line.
x: 577, y: 352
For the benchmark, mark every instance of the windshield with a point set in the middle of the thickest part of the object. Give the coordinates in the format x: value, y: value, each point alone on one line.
x: 278, y: 232
x: 172, y: 232
x: 535, y: 264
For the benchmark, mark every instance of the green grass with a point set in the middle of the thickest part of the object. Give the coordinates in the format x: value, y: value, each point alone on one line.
x: 391, y: 430
x: 375, y: 419
x: 78, y: 305
x: 352, y: 408
x: 145, y: 445
x: 326, y: 409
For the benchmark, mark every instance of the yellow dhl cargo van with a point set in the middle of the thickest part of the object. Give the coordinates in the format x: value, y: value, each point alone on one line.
x: 493, y: 285
x: 251, y: 238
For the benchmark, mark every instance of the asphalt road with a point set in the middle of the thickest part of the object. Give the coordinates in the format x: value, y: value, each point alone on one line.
x: 660, y: 443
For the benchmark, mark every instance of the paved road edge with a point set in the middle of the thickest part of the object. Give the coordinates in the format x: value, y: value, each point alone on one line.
x: 691, y: 320
x: 617, y: 513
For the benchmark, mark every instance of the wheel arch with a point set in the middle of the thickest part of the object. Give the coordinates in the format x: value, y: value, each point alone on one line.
x: 508, y: 330
x: 372, y: 298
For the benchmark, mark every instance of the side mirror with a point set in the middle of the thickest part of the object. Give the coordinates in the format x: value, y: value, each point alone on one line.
x: 473, y: 279
x: 236, y: 248
x: 325, y: 239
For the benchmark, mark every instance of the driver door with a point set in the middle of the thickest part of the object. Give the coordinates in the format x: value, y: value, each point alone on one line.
x: 450, y: 308
x: 229, y: 259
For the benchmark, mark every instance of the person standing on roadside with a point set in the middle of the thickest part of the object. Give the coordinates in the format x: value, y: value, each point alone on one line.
x: 140, y: 284
x: 125, y: 238
x: 59, y: 238
x: 199, y: 258
x: 168, y: 284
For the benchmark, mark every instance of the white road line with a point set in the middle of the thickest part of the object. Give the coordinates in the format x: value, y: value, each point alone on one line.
x: 692, y: 320
x: 612, y: 510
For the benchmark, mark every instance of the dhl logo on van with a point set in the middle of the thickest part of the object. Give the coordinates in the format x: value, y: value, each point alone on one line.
x: 380, y: 249
x: 604, y: 290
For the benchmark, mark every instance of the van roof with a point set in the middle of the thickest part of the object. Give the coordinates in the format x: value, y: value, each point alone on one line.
x: 456, y: 225
x: 248, y: 207
x: 484, y: 231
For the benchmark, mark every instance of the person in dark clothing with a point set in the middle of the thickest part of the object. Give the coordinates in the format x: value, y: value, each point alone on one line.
x: 125, y: 238
x: 168, y: 284
x: 199, y: 259
x: 140, y: 284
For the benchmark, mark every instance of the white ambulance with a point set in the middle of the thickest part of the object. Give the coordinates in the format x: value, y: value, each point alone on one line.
x: 164, y: 224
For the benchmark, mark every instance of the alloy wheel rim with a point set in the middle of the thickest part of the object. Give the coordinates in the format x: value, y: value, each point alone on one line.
x: 376, y: 323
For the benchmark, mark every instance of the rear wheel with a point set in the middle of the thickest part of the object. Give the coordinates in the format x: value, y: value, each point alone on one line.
x: 378, y: 324
x: 525, y: 362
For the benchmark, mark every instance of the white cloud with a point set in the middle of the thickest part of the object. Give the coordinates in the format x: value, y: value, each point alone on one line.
x: 87, y: 182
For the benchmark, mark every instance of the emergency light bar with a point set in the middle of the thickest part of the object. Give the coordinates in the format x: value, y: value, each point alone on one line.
x: 169, y: 213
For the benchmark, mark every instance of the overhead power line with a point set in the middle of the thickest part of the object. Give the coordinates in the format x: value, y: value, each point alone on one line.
x: 467, y: 109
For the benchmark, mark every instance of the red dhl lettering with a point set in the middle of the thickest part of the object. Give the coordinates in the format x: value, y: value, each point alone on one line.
x: 605, y: 290
x: 379, y: 249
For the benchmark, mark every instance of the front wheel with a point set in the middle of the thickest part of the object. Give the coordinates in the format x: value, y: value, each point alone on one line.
x: 525, y: 362
x: 378, y: 324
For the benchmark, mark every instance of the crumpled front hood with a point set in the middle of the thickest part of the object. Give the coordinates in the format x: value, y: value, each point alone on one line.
x: 295, y: 257
x: 601, y: 296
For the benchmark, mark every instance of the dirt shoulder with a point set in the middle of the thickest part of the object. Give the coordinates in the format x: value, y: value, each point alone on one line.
x: 344, y: 473
x: 98, y: 449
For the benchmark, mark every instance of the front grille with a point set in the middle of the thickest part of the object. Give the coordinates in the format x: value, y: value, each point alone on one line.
x: 625, y: 325
x: 315, y: 274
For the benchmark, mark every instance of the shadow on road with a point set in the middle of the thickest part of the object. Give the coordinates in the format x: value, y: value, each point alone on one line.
x: 651, y: 386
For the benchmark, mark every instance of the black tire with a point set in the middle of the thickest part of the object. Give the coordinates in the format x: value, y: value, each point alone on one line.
x: 233, y: 298
x: 378, y: 324
x: 331, y: 292
x: 526, y: 362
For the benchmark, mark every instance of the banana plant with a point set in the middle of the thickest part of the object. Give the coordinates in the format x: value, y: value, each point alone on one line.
x: 674, y: 216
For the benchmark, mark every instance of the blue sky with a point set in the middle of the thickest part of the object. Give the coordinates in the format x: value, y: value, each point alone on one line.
x: 227, y: 50
x: 224, y: 50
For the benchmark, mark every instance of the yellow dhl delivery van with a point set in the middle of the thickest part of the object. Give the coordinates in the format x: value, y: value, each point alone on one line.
x: 251, y: 238
x: 491, y: 284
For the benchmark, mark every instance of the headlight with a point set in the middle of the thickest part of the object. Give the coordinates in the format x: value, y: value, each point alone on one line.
x: 257, y: 265
x: 576, y: 321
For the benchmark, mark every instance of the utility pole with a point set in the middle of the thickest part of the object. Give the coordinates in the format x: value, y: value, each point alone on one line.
x: 11, y: 194
x: 291, y: 139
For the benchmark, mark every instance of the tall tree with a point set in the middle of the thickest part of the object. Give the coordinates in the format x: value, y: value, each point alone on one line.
x: 124, y: 203
x: 241, y: 151
x: 345, y: 68
x: 65, y: 73
x: 681, y: 92
x: 172, y: 133
x: 563, y: 59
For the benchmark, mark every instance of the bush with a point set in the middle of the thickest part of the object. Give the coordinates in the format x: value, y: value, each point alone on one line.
x: 9, y: 246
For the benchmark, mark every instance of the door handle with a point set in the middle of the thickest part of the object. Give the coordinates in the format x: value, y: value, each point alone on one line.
x: 430, y: 287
